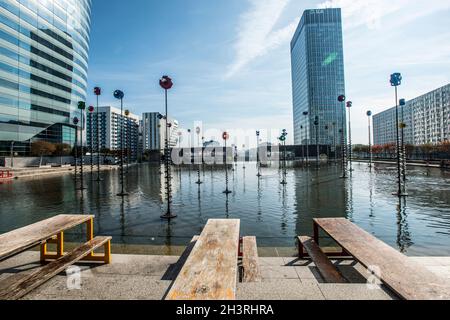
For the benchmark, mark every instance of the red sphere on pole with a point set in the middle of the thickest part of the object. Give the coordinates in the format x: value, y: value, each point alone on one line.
x: 225, y: 136
x: 166, y: 83
x: 91, y: 109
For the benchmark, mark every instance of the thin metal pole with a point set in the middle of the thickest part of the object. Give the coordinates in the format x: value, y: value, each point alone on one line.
x: 199, y: 181
x: 335, y: 137
x: 226, y: 171
x: 98, y: 142
x: 370, y: 145
x: 122, y: 177
x: 307, y: 144
x: 344, y: 144
x: 399, y: 173
x: 76, y: 155
x: 303, y: 150
x: 82, y: 166
x: 403, y: 149
x: 285, y: 162
x: 258, y: 160
x: 317, y: 146
x: 128, y: 143
x: 350, y: 149
x: 91, y: 115
x: 169, y: 215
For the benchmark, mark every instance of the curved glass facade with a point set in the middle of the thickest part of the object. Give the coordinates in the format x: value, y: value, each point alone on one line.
x: 44, y: 49
x: 318, y: 77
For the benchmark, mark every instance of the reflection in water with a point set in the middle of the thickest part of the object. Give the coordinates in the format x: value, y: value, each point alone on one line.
x: 122, y: 219
x: 403, y: 235
x: 259, y: 201
x: 272, y: 212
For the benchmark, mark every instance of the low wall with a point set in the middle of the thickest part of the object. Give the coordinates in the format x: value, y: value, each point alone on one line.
x: 25, y: 162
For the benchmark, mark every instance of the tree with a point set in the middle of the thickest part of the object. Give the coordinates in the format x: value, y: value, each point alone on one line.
x: 377, y: 149
x: 41, y: 149
x: 390, y: 148
x: 444, y: 147
x: 62, y: 150
x: 410, y: 150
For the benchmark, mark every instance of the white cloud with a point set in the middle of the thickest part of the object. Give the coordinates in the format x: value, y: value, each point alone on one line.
x: 256, y: 34
x: 364, y: 12
x: 357, y: 13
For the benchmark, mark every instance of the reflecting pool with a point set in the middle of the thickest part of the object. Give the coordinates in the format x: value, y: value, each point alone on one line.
x: 418, y: 225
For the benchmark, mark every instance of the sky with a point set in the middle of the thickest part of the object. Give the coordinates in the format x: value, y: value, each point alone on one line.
x: 230, y: 59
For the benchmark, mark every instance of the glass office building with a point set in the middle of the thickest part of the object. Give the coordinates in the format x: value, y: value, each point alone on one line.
x: 44, y: 46
x: 318, y: 77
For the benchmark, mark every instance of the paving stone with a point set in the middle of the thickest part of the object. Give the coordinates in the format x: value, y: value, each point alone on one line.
x: 276, y: 262
x: 309, y: 273
x: 353, y: 292
x: 440, y: 271
x: 278, y: 272
x: 114, y: 287
x: 281, y: 290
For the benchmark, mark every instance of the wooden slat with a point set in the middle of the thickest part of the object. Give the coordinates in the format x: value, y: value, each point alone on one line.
x: 39, y: 277
x: 406, y: 278
x: 250, y: 260
x: 22, y: 239
x: 210, y: 272
x: 326, y: 268
x: 173, y: 274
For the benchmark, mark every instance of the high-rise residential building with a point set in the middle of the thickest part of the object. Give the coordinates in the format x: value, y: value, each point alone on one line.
x: 110, y: 130
x: 318, y: 77
x: 44, y: 47
x: 427, y: 120
x: 154, y: 131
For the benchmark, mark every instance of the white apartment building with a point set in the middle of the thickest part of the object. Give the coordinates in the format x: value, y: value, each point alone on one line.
x: 154, y: 131
x: 110, y: 125
x: 427, y: 120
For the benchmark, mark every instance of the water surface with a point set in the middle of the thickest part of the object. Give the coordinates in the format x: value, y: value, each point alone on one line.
x: 419, y: 225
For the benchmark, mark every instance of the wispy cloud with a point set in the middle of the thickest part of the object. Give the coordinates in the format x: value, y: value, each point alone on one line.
x: 364, y: 12
x: 370, y: 13
x: 256, y: 34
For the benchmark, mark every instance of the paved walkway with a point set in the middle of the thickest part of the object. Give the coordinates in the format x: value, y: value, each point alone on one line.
x: 140, y: 277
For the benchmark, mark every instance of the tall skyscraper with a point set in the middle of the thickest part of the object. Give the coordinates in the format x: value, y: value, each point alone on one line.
x: 318, y: 77
x: 44, y: 47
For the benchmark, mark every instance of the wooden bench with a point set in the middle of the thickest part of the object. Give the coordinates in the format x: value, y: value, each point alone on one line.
x: 32, y: 281
x: 210, y: 272
x: 326, y: 268
x: 404, y: 277
x: 51, y: 231
x: 250, y: 260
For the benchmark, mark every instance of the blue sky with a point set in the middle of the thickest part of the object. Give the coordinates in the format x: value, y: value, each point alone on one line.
x: 230, y: 59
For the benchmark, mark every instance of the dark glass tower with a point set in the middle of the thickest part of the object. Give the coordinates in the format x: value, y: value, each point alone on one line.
x: 318, y: 77
x: 44, y: 47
